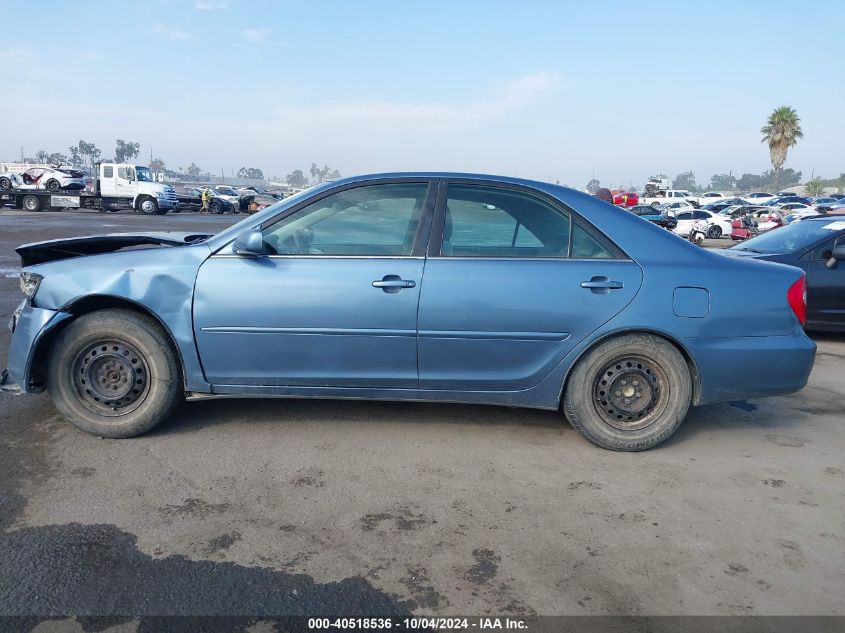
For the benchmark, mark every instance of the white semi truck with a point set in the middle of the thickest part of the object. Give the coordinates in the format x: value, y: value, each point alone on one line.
x: 115, y: 186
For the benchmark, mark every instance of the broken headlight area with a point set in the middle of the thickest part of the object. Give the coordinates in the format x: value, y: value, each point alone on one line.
x: 30, y: 283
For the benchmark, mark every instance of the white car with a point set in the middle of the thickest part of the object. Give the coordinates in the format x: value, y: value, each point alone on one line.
x: 710, y: 197
x: 758, y: 197
x: 719, y: 224
x: 674, y: 208
x: 44, y: 178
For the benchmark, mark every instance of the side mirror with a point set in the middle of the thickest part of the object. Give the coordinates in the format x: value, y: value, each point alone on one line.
x: 250, y: 244
x: 837, y: 255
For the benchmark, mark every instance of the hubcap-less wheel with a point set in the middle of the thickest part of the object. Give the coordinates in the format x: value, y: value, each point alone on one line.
x: 714, y: 232
x: 627, y: 393
x: 110, y: 377
x: 52, y: 184
x: 5, y: 183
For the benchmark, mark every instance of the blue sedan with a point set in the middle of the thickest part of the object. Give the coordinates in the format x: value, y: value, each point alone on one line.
x: 423, y: 286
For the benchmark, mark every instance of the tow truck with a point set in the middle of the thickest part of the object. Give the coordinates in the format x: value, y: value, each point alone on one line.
x: 115, y: 186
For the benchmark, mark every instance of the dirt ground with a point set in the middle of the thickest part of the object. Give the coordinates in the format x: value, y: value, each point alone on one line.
x: 305, y: 506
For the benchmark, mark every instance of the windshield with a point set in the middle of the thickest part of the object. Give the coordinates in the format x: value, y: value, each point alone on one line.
x: 793, y: 237
x: 144, y: 174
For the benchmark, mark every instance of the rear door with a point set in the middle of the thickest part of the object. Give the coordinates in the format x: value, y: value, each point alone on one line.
x: 513, y: 282
x: 825, y: 286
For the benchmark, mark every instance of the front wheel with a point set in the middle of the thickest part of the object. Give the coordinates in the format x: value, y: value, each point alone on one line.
x: 112, y: 373
x: 629, y: 393
x: 52, y: 184
x: 5, y: 183
x: 148, y: 206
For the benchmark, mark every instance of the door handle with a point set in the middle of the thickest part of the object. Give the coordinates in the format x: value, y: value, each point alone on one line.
x: 601, y: 285
x: 393, y: 283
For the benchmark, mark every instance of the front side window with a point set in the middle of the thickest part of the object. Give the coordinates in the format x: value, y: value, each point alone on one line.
x: 486, y: 221
x: 374, y: 220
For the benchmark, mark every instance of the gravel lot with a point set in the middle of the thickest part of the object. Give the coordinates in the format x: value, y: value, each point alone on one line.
x: 298, y: 506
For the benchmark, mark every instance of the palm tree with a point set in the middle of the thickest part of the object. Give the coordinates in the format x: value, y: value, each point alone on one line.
x: 781, y: 132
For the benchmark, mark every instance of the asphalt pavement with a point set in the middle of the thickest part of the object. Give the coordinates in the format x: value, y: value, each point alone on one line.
x: 243, y: 507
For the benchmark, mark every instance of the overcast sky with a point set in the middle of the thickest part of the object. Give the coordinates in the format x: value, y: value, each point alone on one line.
x: 548, y: 90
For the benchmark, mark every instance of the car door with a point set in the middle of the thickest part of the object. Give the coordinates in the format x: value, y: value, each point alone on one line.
x: 825, y: 286
x: 684, y: 222
x: 513, y: 282
x: 335, y: 302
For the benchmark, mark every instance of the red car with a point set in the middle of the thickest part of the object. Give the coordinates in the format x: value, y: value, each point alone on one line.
x: 625, y: 198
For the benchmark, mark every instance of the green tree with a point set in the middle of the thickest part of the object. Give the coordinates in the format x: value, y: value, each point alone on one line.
x: 250, y: 172
x: 723, y: 182
x: 157, y: 164
x: 685, y: 180
x: 592, y: 186
x: 296, y: 179
x: 194, y: 172
x: 41, y: 156
x: 781, y: 132
x: 814, y: 187
x: 75, y: 157
x: 89, y: 153
x: 125, y: 150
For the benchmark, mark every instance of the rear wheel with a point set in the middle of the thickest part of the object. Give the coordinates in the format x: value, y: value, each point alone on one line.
x: 112, y: 373
x: 629, y: 393
x: 31, y: 203
x: 714, y: 232
x: 655, y: 204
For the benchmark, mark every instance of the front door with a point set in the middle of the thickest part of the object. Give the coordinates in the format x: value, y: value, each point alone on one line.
x: 124, y: 181
x: 517, y: 283
x: 334, y: 305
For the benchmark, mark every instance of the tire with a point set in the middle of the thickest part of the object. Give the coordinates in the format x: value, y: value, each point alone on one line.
x: 148, y: 206
x: 649, y: 366
x: 5, y: 183
x: 52, y: 184
x: 655, y: 204
x: 137, y: 376
x: 714, y: 232
x: 31, y: 203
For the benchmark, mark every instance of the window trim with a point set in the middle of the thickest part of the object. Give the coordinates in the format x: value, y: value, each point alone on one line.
x: 435, y: 241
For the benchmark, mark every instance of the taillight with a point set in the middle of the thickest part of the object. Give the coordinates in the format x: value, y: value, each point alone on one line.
x: 797, y: 298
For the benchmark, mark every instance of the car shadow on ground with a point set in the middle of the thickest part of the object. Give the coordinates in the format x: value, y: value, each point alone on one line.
x: 198, y: 417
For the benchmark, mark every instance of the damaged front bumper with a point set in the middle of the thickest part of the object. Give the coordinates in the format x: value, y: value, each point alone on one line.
x: 28, y: 325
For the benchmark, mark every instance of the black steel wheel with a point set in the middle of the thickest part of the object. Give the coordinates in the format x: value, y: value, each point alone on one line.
x: 114, y: 373
x: 111, y: 377
x: 628, y: 393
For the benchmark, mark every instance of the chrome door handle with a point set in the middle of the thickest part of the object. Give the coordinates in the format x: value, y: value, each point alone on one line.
x: 393, y: 283
x: 601, y: 285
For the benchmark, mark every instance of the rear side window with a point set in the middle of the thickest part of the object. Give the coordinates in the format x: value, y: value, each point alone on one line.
x: 108, y: 171
x: 486, y: 221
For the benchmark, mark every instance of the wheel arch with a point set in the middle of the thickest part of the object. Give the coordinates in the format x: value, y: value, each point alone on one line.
x: 87, y: 305
x: 688, y: 357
